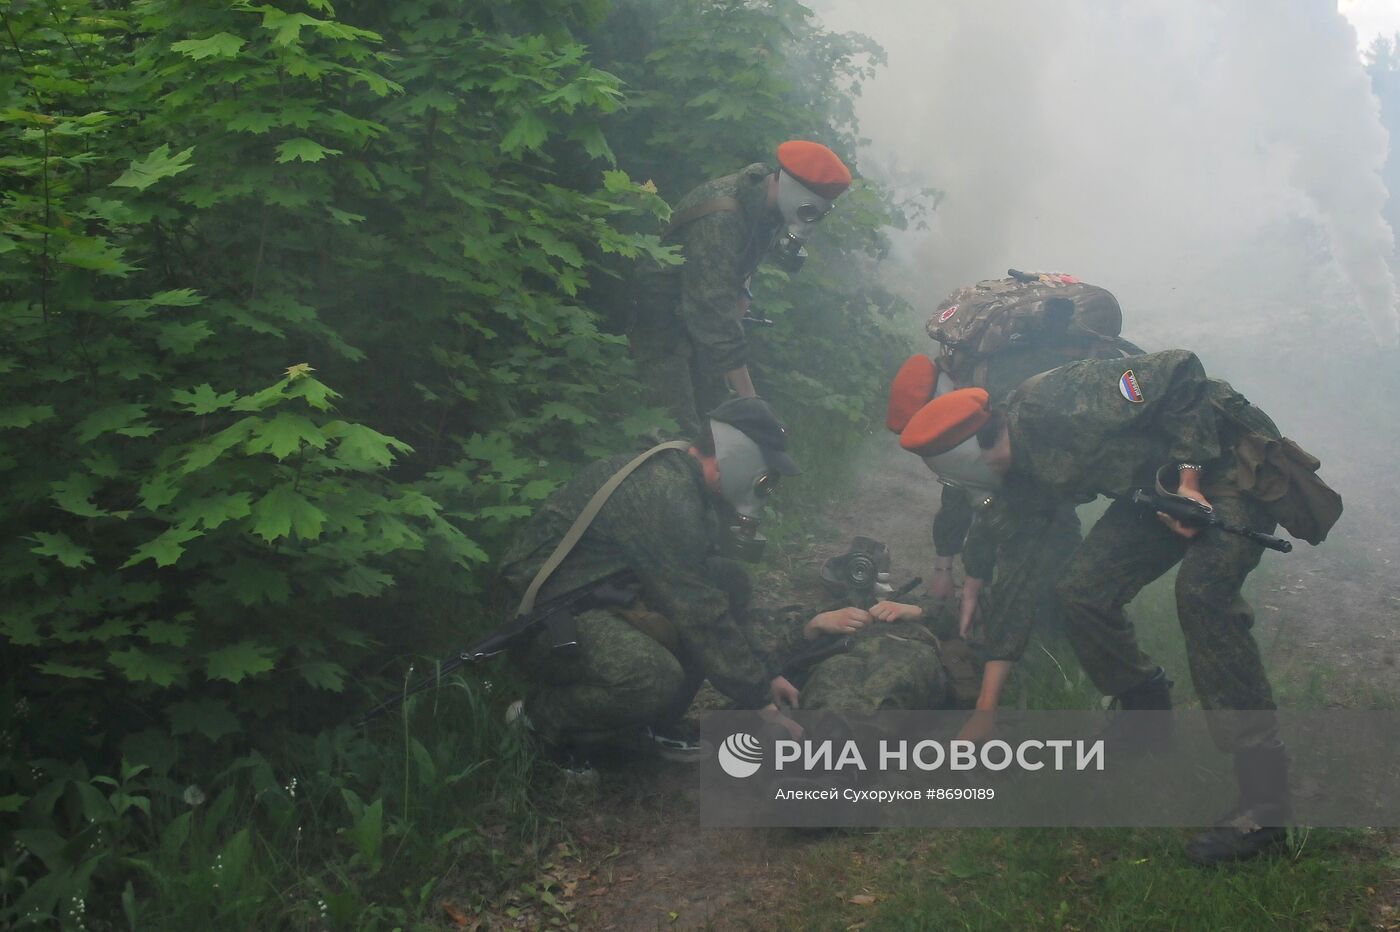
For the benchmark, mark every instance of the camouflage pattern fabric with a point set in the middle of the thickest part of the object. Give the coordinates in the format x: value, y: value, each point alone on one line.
x: 661, y: 524
x: 686, y: 331
x: 1034, y: 548
x: 1086, y: 429
x: 1128, y: 548
x: 892, y: 666
x: 1077, y: 433
x: 620, y: 681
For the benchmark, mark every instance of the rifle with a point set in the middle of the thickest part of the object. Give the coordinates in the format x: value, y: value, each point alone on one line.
x: 1194, y: 514
x: 837, y: 644
x: 556, y: 616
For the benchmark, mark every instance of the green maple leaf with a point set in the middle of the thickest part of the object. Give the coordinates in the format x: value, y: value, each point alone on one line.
x: 283, y: 511
x: 203, y: 399
x: 528, y: 132
x: 216, y: 509
x: 166, y: 549
x: 95, y: 254
x: 115, y: 417
x: 139, y: 666
x: 304, y: 150
x: 283, y: 435
x: 182, y: 338
x: 61, y: 548
x: 74, y: 495
x: 219, y: 45
x: 239, y: 661
x: 159, y: 164
x: 70, y: 672
x: 323, y: 675
x: 24, y: 415
x: 166, y: 632
x: 364, y: 449
x: 209, y: 717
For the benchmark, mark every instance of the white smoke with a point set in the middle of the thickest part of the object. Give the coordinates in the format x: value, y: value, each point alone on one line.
x: 1215, y: 165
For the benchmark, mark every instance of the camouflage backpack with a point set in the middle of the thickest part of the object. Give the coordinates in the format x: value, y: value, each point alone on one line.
x: 1045, y: 309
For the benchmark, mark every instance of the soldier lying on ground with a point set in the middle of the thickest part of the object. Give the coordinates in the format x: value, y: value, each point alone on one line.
x: 687, y: 334
x: 1113, y: 426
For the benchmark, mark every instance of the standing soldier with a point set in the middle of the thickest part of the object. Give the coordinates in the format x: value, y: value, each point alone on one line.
x: 687, y: 334
x: 1111, y: 427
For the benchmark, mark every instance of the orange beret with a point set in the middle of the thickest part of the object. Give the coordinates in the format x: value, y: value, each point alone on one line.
x: 816, y: 166
x: 945, y: 422
x: 911, y: 389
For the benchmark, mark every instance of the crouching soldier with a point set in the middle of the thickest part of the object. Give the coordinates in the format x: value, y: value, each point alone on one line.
x: 636, y: 664
x: 1157, y: 421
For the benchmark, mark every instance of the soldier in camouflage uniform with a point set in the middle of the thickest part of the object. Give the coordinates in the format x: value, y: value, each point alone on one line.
x: 687, y: 334
x: 640, y: 665
x: 1112, y: 426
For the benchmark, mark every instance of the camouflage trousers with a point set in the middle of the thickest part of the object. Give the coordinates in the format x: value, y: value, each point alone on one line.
x: 1128, y: 548
x: 619, y: 681
x: 884, y: 670
x: 1021, y: 597
x: 675, y: 380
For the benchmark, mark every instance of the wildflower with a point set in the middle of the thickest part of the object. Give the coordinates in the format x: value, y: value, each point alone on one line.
x: 291, y: 788
x: 194, y: 796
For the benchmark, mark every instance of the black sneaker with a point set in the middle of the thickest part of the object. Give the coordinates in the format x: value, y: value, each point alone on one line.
x: 677, y: 741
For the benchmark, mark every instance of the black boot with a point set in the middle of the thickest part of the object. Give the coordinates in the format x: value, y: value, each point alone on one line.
x: 1135, y: 734
x: 1256, y: 826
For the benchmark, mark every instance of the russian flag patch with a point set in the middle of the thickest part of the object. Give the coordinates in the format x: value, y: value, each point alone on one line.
x: 1128, y: 388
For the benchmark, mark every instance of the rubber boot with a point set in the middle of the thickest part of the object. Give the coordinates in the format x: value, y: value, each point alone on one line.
x: 1137, y: 734
x: 1257, y: 824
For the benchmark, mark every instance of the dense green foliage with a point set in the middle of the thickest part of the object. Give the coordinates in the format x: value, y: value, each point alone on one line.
x: 302, y: 306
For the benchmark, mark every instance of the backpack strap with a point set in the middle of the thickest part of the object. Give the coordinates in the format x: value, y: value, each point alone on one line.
x: 702, y: 209
x: 584, y: 519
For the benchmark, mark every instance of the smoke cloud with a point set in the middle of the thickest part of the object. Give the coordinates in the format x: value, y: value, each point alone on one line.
x: 1215, y: 165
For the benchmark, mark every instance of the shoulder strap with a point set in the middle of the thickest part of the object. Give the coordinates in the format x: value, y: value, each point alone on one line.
x: 584, y: 519
x: 702, y: 209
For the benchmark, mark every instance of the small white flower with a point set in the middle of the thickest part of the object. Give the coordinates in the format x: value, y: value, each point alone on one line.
x: 194, y: 796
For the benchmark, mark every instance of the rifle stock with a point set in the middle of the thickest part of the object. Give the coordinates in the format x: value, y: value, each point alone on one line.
x: 1194, y: 514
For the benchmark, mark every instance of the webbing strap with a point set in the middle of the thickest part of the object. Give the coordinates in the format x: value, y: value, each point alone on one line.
x: 584, y: 519
x: 703, y: 209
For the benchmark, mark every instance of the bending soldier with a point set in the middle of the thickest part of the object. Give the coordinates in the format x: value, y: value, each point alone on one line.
x: 639, y: 665
x: 687, y: 334
x: 1112, y: 426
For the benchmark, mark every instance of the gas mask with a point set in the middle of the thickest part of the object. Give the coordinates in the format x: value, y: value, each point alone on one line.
x: 962, y: 467
x: 745, y: 481
x: 861, y: 574
x: 801, y: 210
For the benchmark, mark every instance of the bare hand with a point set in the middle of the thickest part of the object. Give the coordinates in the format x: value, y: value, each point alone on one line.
x: 980, y: 728
x: 972, y: 589
x: 885, y: 610
x: 783, y: 692
x: 840, y: 621
x: 1176, y: 526
x: 773, y: 716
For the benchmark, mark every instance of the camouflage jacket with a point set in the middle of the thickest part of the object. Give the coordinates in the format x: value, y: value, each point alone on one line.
x: 661, y: 524
x: 1106, y: 426
x: 699, y: 299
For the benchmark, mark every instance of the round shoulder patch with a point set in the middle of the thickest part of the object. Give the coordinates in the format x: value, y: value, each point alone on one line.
x: 947, y: 315
x: 1128, y: 388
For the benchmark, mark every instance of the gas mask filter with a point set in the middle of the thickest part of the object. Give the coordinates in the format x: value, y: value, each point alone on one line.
x: 801, y: 210
x: 746, y: 481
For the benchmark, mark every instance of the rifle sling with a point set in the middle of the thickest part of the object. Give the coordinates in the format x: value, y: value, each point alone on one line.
x: 584, y: 519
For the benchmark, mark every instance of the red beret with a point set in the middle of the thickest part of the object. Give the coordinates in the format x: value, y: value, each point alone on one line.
x: 945, y: 422
x: 816, y: 166
x: 911, y: 389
